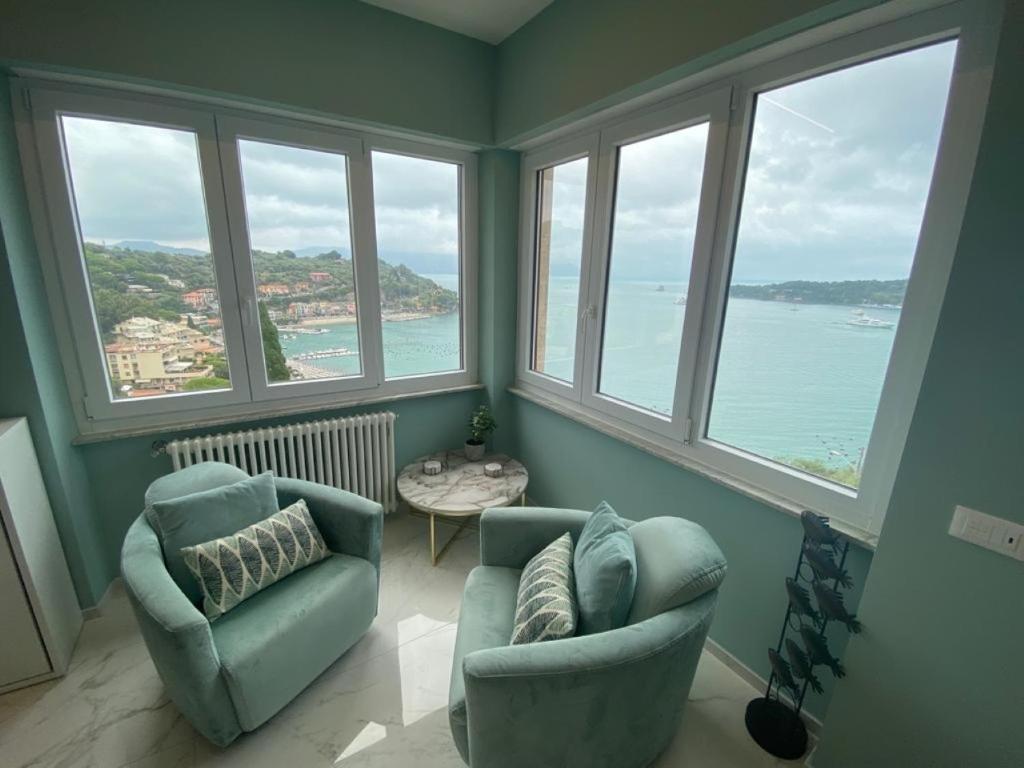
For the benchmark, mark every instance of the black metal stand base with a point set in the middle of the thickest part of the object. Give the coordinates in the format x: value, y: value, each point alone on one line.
x: 776, y: 728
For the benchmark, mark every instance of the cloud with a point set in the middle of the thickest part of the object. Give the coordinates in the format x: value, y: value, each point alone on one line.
x: 835, y: 189
x: 136, y: 182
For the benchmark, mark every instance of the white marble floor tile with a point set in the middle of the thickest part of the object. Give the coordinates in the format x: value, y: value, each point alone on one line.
x: 383, y: 704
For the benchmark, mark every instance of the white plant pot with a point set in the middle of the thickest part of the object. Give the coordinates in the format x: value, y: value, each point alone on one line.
x: 475, y: 452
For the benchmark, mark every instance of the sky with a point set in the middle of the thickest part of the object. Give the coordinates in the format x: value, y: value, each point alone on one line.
x: 838, y: 174
x: 137, y: 182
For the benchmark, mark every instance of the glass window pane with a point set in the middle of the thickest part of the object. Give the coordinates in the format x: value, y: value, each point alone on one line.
x: 138, y: 194
x: 561, y: 205
x: 837, y: 177
x: 657, y: 197
x: 417, y: 211
x: 297, y: 210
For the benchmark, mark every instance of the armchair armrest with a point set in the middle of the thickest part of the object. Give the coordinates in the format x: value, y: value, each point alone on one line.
x: 350, y: 524
x: 595, y: 700
x: 510, y: 536
x: 177, y: 635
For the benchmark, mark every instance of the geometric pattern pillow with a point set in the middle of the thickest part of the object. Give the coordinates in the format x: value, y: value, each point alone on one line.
x: 234, y: 568
x: 546, y: 602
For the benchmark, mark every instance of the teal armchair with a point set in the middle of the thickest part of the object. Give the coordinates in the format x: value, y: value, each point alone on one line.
x: 235, y: 673
x: 607, y: 700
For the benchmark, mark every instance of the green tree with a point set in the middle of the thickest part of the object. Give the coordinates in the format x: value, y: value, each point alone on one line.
x: 848, y: 475
x: 273, y: 355
x: 206, y: 382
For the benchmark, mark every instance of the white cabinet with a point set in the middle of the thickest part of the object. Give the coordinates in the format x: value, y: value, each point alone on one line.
x: 39, y: 614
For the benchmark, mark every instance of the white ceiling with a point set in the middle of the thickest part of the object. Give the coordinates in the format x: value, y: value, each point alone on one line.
x: 488, y: 20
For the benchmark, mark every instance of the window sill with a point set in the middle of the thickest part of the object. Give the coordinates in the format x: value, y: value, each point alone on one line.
x: 261, y: 411
x: 856, y: 535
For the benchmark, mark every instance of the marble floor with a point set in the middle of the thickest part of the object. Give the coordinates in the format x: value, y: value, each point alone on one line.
x: 382, y: 704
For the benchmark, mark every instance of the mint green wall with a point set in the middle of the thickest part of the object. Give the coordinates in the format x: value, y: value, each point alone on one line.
x: 339, y: 57
x: 499, y: 220
x: 31, y: 376
x: 935, y: 679
x: 577, y: 56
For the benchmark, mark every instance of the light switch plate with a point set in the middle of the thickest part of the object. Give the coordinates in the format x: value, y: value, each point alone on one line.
x: 987, y: 531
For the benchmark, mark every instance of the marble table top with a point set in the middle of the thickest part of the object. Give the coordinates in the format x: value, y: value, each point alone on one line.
x: 462, y: 488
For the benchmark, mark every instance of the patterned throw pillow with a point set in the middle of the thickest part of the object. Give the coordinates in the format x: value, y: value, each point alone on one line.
x: 546, y: 603
x: 234, y: 568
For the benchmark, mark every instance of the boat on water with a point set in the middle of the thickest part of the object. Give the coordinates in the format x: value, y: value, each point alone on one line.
x: 680, y: 301
x: 660, y: 289
x: 861, y: 320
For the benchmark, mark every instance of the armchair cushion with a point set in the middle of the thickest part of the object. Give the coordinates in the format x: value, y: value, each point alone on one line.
x: 198, y: 517
x: 272, y: 645
x: 677, y: 562
x: 485, y: 621
x: 234, y: 568
x: 605, y: 565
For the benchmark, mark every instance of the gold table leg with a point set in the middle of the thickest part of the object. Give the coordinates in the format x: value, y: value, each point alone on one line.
x: 435, y: 555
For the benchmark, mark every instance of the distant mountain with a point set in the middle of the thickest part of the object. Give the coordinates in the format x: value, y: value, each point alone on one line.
x: 148, y: 246
x: 316, y: 250
x: 849, y: 292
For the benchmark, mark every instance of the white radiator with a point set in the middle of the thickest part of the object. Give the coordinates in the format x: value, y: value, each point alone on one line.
x: 356, y: 454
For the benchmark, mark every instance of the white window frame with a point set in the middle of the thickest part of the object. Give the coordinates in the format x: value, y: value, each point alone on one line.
x: 361, y: 243
x: 467, y: 374
x: 683, y: 439
x: 47, y: 107
x: 37, y: 101
x: 532, y: 164
x: 711, y: 108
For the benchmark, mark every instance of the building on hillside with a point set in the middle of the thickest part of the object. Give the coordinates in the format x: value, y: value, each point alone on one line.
x: 200, y: 298
x: 274, y: 289
x: 320, y: 277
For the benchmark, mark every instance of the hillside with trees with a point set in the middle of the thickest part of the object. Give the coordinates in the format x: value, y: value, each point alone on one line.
x: 848, y: 292
x: 161, y: 279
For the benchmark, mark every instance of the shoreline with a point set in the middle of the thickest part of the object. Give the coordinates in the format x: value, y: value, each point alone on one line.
x: 397, y: 317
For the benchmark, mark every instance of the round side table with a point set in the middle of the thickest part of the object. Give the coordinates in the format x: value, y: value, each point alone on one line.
x: 461, y: 491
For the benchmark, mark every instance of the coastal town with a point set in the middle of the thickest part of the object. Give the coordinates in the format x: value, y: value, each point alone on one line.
x: 160, y: 320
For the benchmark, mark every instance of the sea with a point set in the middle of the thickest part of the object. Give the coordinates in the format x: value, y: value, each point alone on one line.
x: 792, y: 380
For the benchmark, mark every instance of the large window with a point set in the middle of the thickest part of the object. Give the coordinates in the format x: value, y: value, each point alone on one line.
x: 836, y: 183
x: 138, y: 196
x: 419, y: 242
x: 653, y: 224
x: 751, y: 270
x: 209, y: 260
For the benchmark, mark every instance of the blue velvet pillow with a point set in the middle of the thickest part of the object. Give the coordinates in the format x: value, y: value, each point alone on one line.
x: 198, y: 517
x: 605, y: 566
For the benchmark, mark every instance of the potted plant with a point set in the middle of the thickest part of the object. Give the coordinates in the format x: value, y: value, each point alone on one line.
x: 481, y: 424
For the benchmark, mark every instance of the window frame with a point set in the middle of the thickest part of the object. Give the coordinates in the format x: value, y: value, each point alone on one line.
x: 55, y: 227
x: 860, y: 511
x: 712, y: 108
x: 69, y: 260
x: 362, y: 242
x: 531, y: 166
x: 468, y: 262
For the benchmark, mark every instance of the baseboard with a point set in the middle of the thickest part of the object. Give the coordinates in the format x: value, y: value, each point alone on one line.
x: 814, y: 726
x: 95, y: 611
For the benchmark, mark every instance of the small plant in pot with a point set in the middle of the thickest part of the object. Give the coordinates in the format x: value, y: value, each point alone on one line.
x: 481, y: 424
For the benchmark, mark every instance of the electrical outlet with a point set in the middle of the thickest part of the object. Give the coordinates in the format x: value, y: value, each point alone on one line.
x: 987, y: 531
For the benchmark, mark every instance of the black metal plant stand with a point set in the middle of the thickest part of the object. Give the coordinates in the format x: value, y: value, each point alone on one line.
x: 773, y: 720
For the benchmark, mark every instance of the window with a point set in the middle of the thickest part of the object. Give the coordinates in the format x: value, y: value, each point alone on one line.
x: 305, y: 281
x: 417, y: 206
x: 561, y: 200
x: 154, y: 294
x: 836, y: 183
x: 751, y: 297
x: 654, y: 222
x: 213, y: 260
